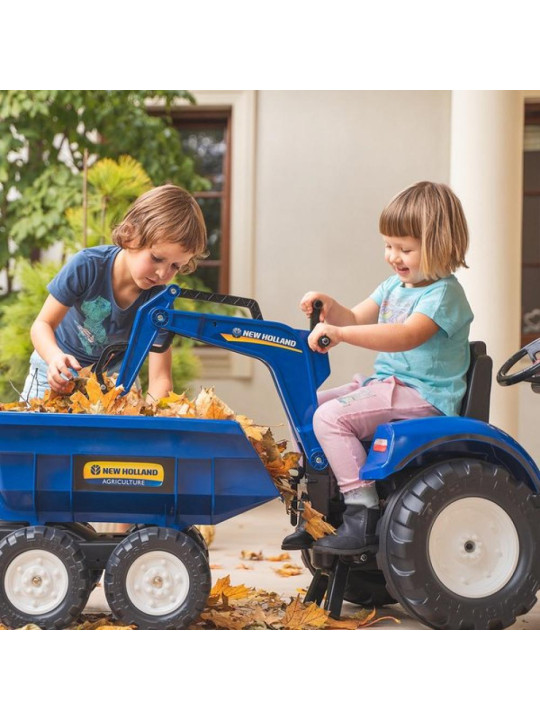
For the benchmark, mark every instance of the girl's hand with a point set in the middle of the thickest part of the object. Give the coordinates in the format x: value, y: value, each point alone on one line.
x: 306, y: 303
x: 59, y: 373
x: 331, y: 331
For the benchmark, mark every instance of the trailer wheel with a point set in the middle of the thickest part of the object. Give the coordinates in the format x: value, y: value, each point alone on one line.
x: 457, y: 546
x: 195, y: 534
x: 43, y: 578
x: 157, y: 578
x: 366, y: 588
x: 84, y: 531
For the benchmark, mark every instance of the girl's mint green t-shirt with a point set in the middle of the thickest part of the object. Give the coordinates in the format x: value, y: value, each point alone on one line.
x: 437, y: 368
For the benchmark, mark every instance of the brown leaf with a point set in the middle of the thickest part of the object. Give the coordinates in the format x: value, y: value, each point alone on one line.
x: 224, y: 591
x: 299, y: 616
x: 225, y: 620
x: 209, y: 406
x: 279, y: 558
x: 250, y: 555
x: 315, y: 525
x: 288, y: 570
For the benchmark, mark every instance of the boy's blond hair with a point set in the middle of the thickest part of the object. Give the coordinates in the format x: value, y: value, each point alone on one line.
x: 433, y: 214
x: 167, y: 213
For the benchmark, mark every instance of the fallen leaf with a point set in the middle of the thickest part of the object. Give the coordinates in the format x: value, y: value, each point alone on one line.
x: 299, y: 616
x: 288, y: 570
x: 279, y: 558
x: 250, y: 555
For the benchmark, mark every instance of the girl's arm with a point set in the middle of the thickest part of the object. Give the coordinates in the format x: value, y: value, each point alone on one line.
x: 42, y: 335
x: 391, y: 337
x: 159, y: 375
x: 366, y: 312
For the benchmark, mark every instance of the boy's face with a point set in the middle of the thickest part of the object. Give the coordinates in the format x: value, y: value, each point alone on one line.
x: 157, y: 264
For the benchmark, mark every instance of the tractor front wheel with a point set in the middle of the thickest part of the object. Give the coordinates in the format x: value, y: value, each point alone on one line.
x: 457, y: 546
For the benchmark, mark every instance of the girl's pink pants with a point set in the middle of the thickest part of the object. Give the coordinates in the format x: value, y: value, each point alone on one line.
x: 351, y: 412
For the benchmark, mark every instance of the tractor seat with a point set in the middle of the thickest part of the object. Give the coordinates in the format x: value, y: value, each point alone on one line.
x: 475, y: 403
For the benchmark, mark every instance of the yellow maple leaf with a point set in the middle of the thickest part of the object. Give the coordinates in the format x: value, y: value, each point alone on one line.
x: 299, y: 616
x: 225, y: 591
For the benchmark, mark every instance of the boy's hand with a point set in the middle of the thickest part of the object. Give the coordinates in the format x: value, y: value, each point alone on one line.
x: 331, y: 331
x: 62, y: 370
x: 306, y: 303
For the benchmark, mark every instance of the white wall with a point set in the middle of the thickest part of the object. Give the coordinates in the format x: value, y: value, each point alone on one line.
x: 326, y: 164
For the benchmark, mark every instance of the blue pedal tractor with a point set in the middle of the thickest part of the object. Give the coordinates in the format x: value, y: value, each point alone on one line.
x: 458, y: 537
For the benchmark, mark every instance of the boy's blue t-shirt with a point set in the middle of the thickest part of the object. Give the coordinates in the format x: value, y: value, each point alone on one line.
x: 437, y: 369
x: 93, y: 320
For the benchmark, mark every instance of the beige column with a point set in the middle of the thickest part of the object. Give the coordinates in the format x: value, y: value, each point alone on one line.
x: 486, y: 174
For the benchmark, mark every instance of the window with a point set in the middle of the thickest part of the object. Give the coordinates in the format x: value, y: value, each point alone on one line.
x: 235, y: 112
x: 530, y: 286
x: 206, y: 139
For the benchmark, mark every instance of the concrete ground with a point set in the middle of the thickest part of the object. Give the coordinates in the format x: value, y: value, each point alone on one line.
x: 260, y: 532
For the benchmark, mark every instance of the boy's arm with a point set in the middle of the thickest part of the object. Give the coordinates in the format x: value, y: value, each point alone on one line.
x: 42, y: 335
x: 385, y: 337
x: 159, y: 375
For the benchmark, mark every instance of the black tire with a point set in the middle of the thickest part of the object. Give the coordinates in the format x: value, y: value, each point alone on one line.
x: 366, y: 588
x: 84, y: 531
x: 161, y: 566
x: 28, y: 578
x: 195, y: 534
x: 457, y: 546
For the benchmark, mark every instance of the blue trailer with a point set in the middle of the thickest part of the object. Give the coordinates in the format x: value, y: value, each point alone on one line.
x: 458, y: 536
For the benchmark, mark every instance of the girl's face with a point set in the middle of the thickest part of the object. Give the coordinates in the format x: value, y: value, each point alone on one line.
x: 157, y: 264
x: 404, y: 254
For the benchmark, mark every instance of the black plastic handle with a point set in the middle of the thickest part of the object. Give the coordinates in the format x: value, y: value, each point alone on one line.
x: 317, y: 305
x: 315, y: 317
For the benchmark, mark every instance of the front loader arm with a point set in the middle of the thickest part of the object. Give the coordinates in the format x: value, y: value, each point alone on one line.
x: 296, y: 370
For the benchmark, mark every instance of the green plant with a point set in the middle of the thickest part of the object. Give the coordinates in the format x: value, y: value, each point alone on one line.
x: 45, y: 136
x: 17, y: 314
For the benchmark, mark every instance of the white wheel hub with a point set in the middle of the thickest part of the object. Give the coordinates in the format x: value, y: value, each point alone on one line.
x: 36, y: 582
x: 473, y: 547
x: 157, y: 583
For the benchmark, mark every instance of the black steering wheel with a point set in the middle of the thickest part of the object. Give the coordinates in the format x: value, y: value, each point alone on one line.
x: 529, y: 374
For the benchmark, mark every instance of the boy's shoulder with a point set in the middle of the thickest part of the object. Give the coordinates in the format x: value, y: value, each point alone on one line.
x: 98, y: 253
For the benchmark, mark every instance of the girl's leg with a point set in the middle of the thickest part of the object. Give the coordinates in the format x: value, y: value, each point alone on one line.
x: 324, y: 396
x: 300, y: 538
x: 339, y: 425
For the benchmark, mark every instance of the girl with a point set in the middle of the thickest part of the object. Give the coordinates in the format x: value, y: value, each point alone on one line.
x: 418, y: 320
x: 94, y: 298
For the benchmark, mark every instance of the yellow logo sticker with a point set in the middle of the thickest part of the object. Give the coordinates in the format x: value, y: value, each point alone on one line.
x: 114, y: 472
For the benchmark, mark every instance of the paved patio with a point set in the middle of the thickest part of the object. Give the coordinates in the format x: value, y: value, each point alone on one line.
x: 260, y: 531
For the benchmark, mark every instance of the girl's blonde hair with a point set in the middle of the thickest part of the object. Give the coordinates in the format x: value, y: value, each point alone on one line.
x: 433, y: 214
x: 167, y: 213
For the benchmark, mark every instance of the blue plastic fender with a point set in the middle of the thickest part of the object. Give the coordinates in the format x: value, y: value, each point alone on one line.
x: 399, y: 445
